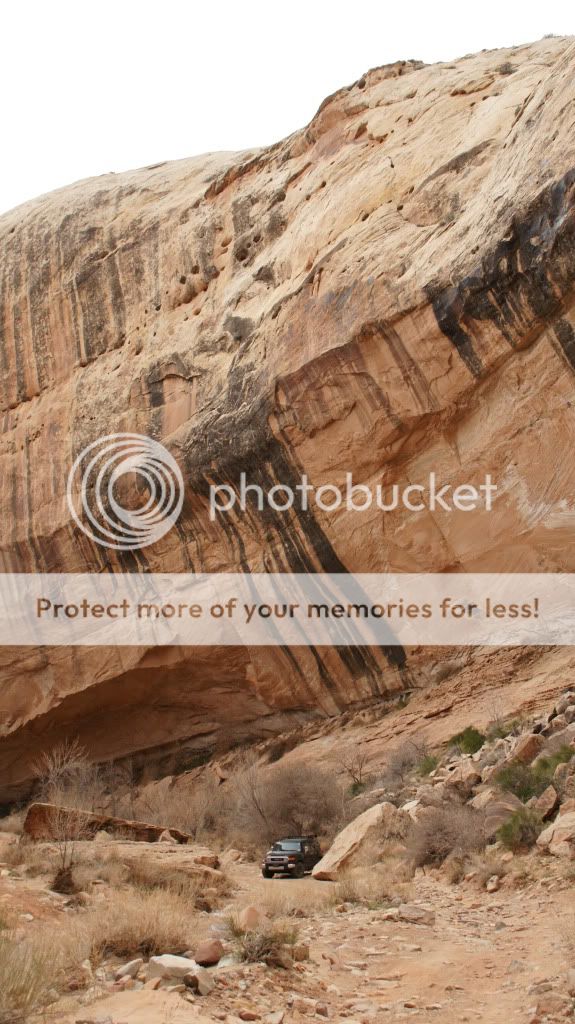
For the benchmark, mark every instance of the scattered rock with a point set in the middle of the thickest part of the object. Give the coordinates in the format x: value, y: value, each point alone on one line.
x: 527, y: 748
x: 559, y: 837
x: 129, y: 970
x: 167, y: 837
x: 570, y: 981
x: 547, y: 803
x: 373, y: 826
x: 200, y: 981
x: 251, y: 918
x: 497, y: 806
x: 552, y: 1002
x: 565, y: 701
x: 169, y: 966
x: 209, y: 953
x: 414, y: 914
x: 463, y: 778
x: 232, y: 857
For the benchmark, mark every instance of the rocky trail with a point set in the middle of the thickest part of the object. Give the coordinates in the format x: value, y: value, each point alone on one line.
x: 490, y: 957
x: 487, y: 957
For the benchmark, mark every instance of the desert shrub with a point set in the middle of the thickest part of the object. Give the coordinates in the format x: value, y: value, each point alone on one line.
x: 200, y: 810
x: 427, y: 764
x: 146, y: 923
x: 468, y: 741
x: 13, y: 822
x: 257, y: 805
x: 265, y: 943
x: 455, y: 868
x: 404, y: 759
x: 457, y: 830
x: 521, y: 831
x: 528, y: 780
x: 354, y: 764
x: 26, y: 973
x: 67, y: 778
x: 519, y: 779
x: 284, y: 799
x: 501, y: 728
x: 357, y: 788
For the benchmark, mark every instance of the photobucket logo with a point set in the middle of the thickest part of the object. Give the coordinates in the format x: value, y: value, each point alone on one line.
x: 353, y: 497
x: 125, y: 491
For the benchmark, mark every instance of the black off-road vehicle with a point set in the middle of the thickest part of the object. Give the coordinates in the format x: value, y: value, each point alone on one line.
x: 292, y: 856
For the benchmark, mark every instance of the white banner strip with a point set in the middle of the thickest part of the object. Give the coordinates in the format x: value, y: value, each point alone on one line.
x: 264, y: 609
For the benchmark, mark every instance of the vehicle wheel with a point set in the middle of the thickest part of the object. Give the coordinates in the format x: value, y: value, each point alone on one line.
x: 299, y: 871
x: 267, y: 874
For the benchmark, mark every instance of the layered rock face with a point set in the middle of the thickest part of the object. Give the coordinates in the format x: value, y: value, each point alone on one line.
x: 388, y: 291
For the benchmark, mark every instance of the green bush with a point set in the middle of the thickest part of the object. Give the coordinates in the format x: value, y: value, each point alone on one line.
x: 469, y: 741
x: 357, y: 787
x: 521, y: 831
x: 527, y: 780
x: 427, y: 764
x: 500, y: 730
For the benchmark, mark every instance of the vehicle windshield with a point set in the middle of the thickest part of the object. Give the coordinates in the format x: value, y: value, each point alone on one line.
x: 287, y: 846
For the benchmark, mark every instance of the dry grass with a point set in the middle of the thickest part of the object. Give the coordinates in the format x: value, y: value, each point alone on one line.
x: 36, y: 859
x: 146, y: 875
x: 444, y: 831
x: 13, y: 822
x: 377, y: 886
x: 293, y: 899
x: 26, y: 976
x: 136, y: 923
x: 455, y: 869
x: 108, y: 869
x: 192, y: 888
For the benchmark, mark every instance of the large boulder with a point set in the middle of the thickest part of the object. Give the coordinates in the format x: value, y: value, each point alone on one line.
x: 547, y: 803
x: 497, y: 807
x: 563, y: 737
x: 50, y: 821
x: 559, y: 837
x: 361, y: 840
x: 527, y: 748
x: 461, y: 778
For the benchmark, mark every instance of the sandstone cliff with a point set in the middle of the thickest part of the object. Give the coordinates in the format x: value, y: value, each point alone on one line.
x: 389, y: 290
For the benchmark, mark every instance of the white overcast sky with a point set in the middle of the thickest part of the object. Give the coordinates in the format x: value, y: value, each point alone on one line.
x: 106, y: 85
